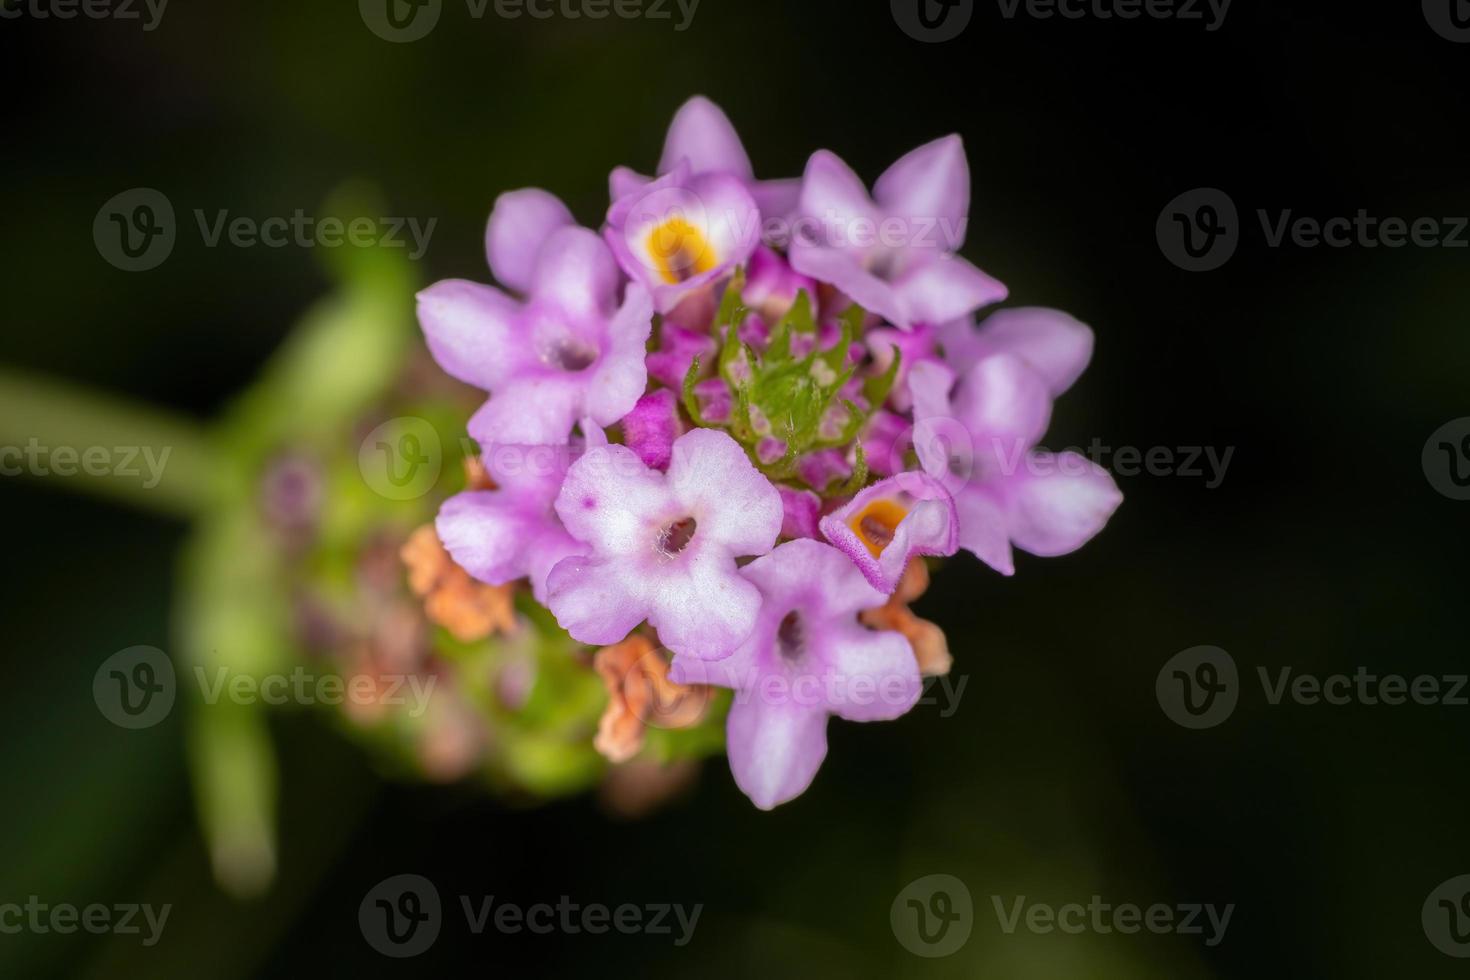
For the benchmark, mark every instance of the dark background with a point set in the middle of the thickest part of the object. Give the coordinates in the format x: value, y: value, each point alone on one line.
x: 1325, y: 548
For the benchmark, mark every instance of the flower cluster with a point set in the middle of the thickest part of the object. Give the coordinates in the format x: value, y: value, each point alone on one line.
x: 736, y: 418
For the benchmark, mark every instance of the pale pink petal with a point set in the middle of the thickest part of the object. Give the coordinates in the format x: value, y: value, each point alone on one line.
x: 520, y: 224
x: 702, y: 134
x: 775, y: 750
x: 876, y: 674
x: 576, y: 271
x: 615, y: 503
x: 1056, y: 345
x: 595, y: 600
x: 699, y: 604
x: 470, y: 330
x: 714, y: 480
x: 931, y: 183
x: 1059, y: 504
x: 619, y: 376
x: 940, y: 288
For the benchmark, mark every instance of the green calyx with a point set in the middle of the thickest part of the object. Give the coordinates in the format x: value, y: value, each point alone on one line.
x: 795, y: 399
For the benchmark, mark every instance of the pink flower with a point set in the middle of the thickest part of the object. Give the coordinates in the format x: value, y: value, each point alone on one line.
x: 573, y: 348
x: 702, y: 136
x: 890, y: 522
x: 511, y: 532
x: 662, y: 547
x: 808, y: 658
x: 979, y: 440
x: 893, y: 253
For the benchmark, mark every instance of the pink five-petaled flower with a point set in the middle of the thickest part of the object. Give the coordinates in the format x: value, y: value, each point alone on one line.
x: 574, y: 348
x: 662, y: 547
x: 702, y: 135
x: 511, y: 532
x: 980, y: 441
x: 683, y: 232
x: 807, y: 658
x: 890, y: 522
x: 893, y: 253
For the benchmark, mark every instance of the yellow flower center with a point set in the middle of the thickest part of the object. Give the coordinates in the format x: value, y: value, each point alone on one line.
x: 875, y: 524
x: 680, y: 251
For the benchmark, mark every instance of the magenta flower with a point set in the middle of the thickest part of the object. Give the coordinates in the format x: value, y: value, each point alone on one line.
x: 980, y: 440
x: 807, y: 658
x: 572, y: 349
x: 890, y: 522
x: 511, y: 532
x: 893, y: 253
x: 683, y: 232
x: 662, y: 547
x: 702, y: 135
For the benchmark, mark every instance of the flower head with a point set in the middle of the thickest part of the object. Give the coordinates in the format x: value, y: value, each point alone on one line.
x: 807, y: 658
x: 662, y: 547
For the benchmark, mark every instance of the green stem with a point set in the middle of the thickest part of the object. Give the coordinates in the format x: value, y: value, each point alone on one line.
x: 102, y: 445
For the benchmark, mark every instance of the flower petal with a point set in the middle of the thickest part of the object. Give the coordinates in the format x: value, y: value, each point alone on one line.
x: 1060, y: 503
x: 775, y: 749
x: 930, y: 182
x: 941, y: 288
x: 700, y: 605
x: 470, y: 330
x: 815, y: 577
x: 651, y: 427
x: 615, y: 503
x: 800, y: 510
x: 538, y: 411
x: 1004, y: 405
x: 876, y: 674
x: 1056, y: 345
x: 984, y: 528
x: 890, y: 522
x: 620, y: 374
x: 520, y: 224
x: 702, y: 134
x: 577, y: 272
x: 595, y: 600
x: 714, y: 480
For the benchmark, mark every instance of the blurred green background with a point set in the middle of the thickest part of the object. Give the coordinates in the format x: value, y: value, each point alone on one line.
x: 1324, y: 549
